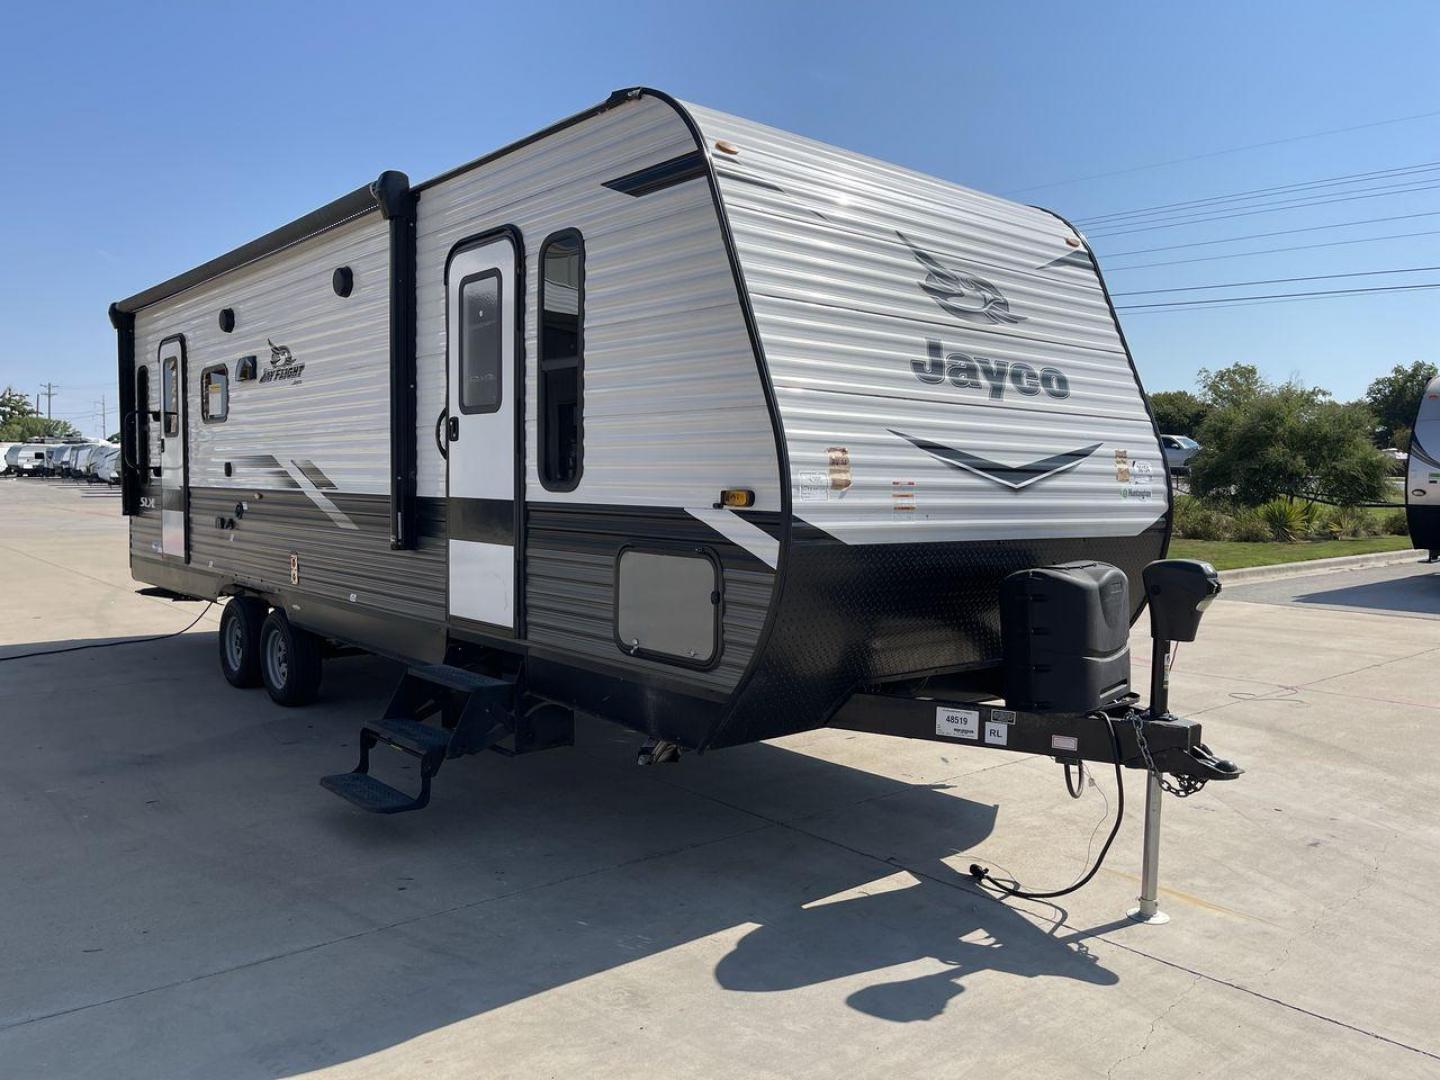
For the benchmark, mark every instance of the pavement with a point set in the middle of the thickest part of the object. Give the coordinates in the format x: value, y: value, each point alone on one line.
x: 181, y: 899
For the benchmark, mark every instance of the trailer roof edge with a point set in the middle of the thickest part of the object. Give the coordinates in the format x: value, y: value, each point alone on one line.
x: 377, y: 195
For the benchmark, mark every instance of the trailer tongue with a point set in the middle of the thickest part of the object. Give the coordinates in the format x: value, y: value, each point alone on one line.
x: 1067, y: 713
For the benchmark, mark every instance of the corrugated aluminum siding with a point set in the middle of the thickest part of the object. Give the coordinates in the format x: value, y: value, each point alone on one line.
x: 673, y: 405
x: 826, y: 241
x: 337, y: 413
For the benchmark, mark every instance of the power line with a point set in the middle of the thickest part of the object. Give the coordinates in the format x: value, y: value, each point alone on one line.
x: 1271, y: 251
x: 1429, y: 185
x: 1259, y: 195
x: 1278, y: 281
x: 1274, y: 297
x: 1231, y: 150
x: 1277, y: 232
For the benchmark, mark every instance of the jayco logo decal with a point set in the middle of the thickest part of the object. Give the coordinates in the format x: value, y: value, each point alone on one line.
x: 995, y: 376
x: 283, y: 365
x: 962, y: 295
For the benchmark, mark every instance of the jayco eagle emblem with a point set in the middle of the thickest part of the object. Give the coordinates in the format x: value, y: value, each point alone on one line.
x: 962, y: 295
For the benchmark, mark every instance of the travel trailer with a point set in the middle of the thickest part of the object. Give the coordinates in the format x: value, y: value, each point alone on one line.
x: 107, y: 465
x: 1422, y: 482
x: 26, y: 459
x: 677, y: 420
x: 9, y: 455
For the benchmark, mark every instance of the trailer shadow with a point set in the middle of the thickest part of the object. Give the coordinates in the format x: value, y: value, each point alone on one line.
x: 324, y: 935
x: 1416, y: 593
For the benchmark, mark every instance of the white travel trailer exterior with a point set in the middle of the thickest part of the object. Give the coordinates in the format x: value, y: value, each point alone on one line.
x: 1422, y: 482
x: 684, y: 421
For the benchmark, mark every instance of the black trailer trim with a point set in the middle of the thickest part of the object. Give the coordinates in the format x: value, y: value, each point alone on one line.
x: 124, y: 324
x: 397, y: 203
x: 658, y: 177
x: 356, y: 204
x: 490, y: 521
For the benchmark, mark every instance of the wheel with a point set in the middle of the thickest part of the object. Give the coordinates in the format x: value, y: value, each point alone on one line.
x: 240, y: 624
x: 289, y: 661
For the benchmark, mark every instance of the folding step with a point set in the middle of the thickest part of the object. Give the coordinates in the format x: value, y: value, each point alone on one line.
x: 455, y: 678
x: 425, y: 741
x: 474, y: 712
x: 374, y: 795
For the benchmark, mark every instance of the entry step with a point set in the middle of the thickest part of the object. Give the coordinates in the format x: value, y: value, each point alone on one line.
x: 373, y: 795
x: 456, y: 678
x: 423, y: 740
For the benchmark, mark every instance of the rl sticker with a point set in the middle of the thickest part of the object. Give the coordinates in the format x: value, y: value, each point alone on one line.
x: 997, y: 734
x: 957, y: 723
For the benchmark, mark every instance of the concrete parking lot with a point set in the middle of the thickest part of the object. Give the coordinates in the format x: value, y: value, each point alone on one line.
x: 181, y: 899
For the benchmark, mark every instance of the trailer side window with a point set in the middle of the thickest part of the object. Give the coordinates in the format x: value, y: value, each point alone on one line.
x: 562, y: 360
x: 170, y: 396
x: 215, y: 394
x: 480, y: 342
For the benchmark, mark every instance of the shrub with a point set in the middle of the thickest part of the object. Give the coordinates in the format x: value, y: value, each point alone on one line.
x: 1251, y: 527
x: 1196, y: 521
x: 1286, y: 520
x: 1352, y: 522
x: 1322, y: 524
x: 1395, y: 523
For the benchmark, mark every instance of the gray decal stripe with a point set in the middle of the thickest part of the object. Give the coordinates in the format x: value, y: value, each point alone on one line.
x: 315, y: 476
x: 1014, y: 477
x: 1416, y: 450
x: 313, y: 493
x: 666, y: 174
x: 1079, y: 257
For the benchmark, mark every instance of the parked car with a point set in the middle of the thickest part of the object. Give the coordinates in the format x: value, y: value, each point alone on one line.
x: 1179, y: 449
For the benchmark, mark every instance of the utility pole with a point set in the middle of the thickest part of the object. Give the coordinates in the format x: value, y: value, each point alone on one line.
x: 49, y: 393
x: 104, y: 422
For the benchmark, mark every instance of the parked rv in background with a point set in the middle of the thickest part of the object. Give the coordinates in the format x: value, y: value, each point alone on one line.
x: 1422, y: 484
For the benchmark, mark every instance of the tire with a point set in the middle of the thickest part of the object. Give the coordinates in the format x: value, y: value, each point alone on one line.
x: 240, y: 624
x: 290, y: 664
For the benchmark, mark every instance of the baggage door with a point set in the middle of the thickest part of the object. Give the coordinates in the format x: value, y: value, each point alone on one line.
x: 174, y: 519
x: 483, y: 302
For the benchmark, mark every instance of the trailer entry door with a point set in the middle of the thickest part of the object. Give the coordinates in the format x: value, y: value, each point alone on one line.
x: 483, y: 322
x: 173, y: 516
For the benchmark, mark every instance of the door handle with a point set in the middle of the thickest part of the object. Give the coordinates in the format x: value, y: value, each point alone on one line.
x: 452, y: 429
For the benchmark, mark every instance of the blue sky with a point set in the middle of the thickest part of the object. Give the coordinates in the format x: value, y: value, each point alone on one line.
x: 141, y: 139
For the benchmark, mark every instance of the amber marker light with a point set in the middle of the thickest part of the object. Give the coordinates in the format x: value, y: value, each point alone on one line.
x: 737, y: 498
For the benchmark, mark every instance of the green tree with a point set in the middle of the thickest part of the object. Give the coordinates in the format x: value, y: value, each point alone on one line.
x: 30, y: 427
x: 13, y: 405
x: 1233, y: 385
x: 1394, y: 398
x: 1178, y: 412
x: 1288, y: 442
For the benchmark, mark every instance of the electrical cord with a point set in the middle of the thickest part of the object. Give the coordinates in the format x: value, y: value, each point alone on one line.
x: 982, y: 874
x: 109, y: 644
x: 1075, y: 788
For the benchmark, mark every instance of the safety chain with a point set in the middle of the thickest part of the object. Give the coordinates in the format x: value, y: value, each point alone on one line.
x: 1184, y: 786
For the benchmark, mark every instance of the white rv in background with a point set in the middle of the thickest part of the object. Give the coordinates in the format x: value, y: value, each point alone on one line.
x: 1422, y: 482
x: 658, y: 414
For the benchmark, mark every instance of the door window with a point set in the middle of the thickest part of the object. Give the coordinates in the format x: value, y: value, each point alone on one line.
x: 480, y: 342
x: 170, y: 396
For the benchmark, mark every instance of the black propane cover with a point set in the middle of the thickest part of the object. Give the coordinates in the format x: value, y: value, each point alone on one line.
x: 1065, y: 631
